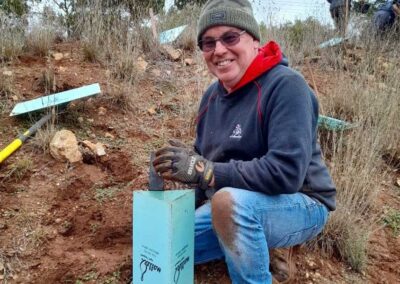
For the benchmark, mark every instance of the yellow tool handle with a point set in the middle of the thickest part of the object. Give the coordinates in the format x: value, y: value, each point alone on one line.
x: 22, y: 138
x: 7, y: 151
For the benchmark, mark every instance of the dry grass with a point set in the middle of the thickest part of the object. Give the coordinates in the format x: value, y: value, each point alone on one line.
x: 40, y: 40
x: 115, y: 42
x: 366, y: 96
x: 43, y: 137
x: 298, y: 40
x: 47, y: 81
x: 18, y: 170
x: 91, y: 53
x: 6, y: 89
x: 12, y: 37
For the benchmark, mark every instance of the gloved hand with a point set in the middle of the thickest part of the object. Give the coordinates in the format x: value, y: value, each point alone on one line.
x: 179, y: 144
x: 180, y: 163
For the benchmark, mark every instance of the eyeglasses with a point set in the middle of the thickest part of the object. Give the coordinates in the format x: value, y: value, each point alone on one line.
x: 227, y: 39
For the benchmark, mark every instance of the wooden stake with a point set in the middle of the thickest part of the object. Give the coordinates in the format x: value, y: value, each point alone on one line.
x: 346, y: 18
x: 315, y: 85
x: 153, y: 24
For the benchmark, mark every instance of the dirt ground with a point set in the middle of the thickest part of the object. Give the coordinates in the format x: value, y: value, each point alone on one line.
x: 72, y: 223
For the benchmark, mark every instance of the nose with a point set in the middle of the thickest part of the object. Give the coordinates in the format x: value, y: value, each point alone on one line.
x: 219, y: 48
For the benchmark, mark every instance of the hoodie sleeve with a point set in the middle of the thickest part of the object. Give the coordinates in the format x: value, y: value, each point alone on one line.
x: 289, y: 123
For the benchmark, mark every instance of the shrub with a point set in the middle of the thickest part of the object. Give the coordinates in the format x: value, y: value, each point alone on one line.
x: 12, y: 37
x: 40, y: 40
x: 368, y: 98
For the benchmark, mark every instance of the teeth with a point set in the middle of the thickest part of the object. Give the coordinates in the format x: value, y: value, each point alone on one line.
x: 224, y: 62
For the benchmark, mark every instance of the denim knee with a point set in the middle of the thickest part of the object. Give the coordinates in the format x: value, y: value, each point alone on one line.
x: 222, y: 216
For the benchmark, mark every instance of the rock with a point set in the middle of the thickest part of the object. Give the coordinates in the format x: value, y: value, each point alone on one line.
x: 189, y: 61
x: 102, y: 110
x: 57, y: 56
x: 89, y: 145
x: 156, y: 72
x: 3, y: 226
x: 141, y: 64
x: 172, y: 53
x: 80, y: 119
x: 15, y: 98
x: 64, y: 147
x: 382, y: 86
x: 152, y: 111
x: 66, y: 228
x: 7, y: 73
x: 371, y: 78
x: 311, y: 263
x: 109, y: 135
x: 100, y: 151
x: 97, y: 148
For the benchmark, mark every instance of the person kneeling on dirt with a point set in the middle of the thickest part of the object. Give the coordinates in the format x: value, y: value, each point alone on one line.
x: 385, y: 17
x: 340, y: 13
x: 261, y: 182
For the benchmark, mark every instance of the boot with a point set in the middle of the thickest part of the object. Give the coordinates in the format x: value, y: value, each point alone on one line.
x: 281, y: 265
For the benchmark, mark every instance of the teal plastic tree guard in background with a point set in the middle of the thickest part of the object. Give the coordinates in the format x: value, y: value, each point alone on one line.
x: 333, y: 124
x: 55, y: 99
x: 171, y: 35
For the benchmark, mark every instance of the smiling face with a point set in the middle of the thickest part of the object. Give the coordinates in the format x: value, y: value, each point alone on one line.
x: 229, y: 63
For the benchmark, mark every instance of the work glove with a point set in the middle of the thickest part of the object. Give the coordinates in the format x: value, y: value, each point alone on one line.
x: 178, y: 162
x: 179, y: 144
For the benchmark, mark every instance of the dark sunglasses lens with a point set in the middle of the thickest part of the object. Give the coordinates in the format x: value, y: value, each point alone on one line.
x: 230, y: 38
x: 208, y: 44
x: 227, y: 39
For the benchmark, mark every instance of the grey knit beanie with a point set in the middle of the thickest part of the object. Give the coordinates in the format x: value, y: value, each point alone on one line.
x: 235, y: 13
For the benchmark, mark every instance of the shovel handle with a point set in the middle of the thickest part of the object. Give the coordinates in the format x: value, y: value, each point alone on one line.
x: 7, y: 151
x: 13, y: 146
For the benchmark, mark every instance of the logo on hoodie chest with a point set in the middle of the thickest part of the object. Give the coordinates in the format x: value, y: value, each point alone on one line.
x: 237, y: 132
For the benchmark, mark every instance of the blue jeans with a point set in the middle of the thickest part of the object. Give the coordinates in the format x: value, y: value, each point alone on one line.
x: 241, y: 225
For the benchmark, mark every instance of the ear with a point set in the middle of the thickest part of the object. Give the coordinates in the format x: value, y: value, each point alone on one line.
x: 256, y: 44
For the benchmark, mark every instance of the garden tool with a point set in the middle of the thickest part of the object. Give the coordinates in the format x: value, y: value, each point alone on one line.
x: 42, y: 103
x: 156, y: 182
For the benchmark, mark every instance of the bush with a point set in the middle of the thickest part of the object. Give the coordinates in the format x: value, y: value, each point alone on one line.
x: 40, y: 40
x: 12, y: 37
x: 297, y: 40
x: 368, y: 97
x: 14, y: 7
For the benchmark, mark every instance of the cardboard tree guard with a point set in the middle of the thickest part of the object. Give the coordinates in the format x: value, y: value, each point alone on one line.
x: 163, y: 237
